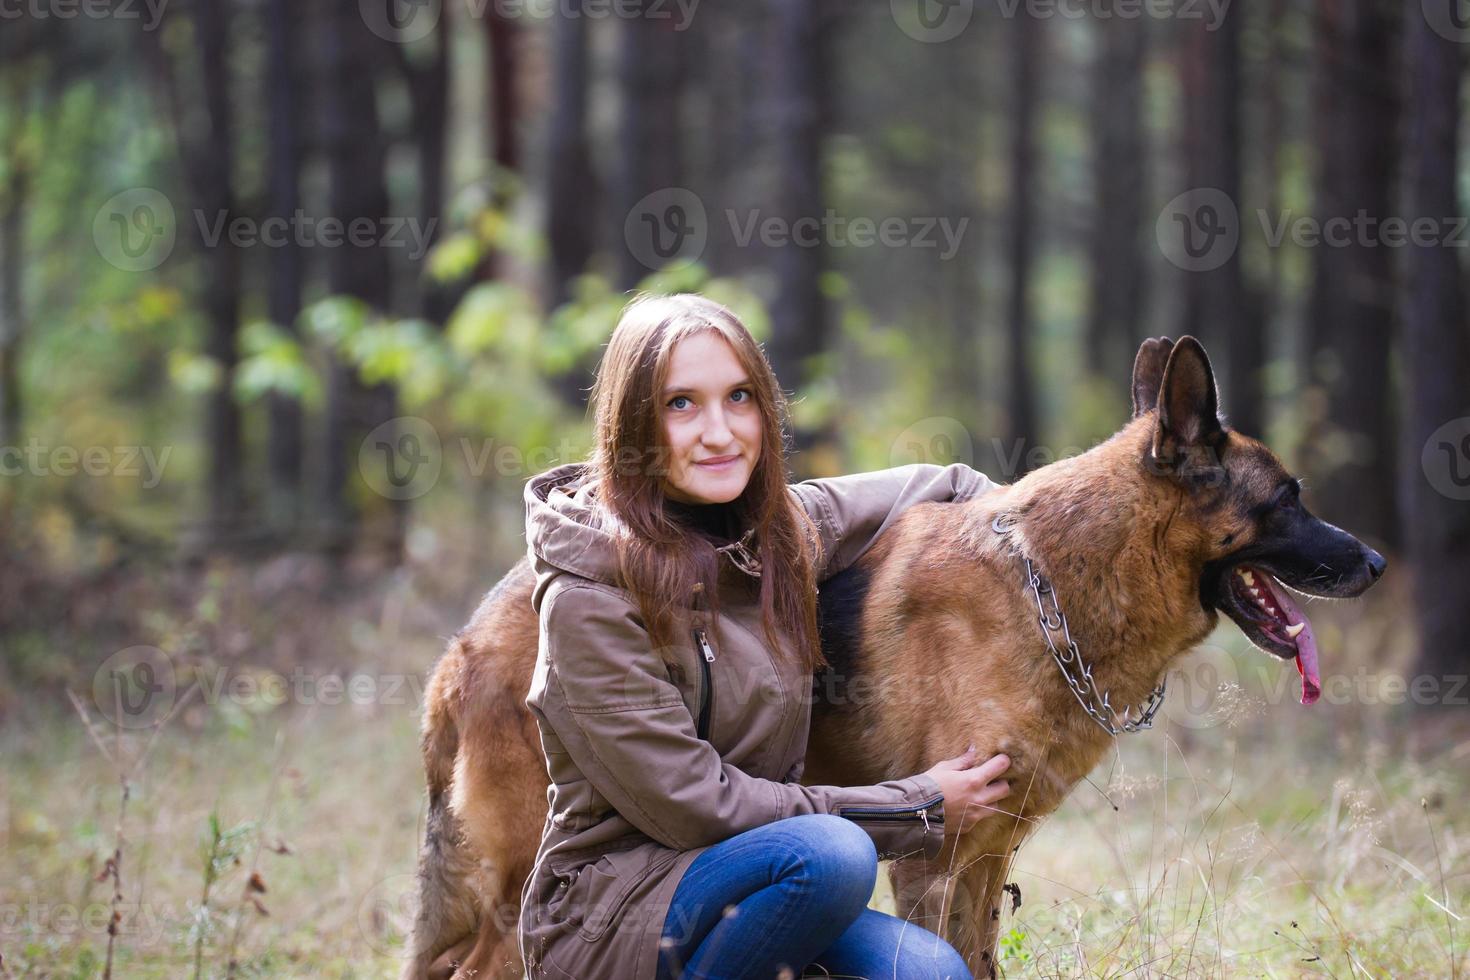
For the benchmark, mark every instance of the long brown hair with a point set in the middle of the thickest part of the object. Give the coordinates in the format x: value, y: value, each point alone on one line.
x: 660, y: 559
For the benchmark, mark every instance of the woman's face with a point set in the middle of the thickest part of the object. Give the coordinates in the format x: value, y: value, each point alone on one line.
x: 711, y: 422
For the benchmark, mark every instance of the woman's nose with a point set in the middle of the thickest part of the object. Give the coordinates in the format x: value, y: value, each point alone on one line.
x: 716, y: 432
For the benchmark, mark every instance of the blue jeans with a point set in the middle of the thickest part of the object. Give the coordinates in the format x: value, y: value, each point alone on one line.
x: 793, y: 895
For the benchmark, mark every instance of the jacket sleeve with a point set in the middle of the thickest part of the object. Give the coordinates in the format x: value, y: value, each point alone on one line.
x: 852, y: 511
x: 625, y: 725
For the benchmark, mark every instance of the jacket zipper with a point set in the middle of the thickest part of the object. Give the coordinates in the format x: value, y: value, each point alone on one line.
x: 707, y: 702
x: 905, y: 812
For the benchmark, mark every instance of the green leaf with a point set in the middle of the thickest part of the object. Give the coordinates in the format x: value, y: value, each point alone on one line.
x: 193, y: 373
x: 336, y: 319
x: 454, y: 258
x: 489, y: 317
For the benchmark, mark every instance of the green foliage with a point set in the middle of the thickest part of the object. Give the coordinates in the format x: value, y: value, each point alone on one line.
x: 1013, y: 947
x: 272, y: 361
x: 192, y: 373
x: 454, y: 258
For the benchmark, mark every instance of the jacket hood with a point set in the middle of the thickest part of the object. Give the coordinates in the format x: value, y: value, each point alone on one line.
x: 568, y: 530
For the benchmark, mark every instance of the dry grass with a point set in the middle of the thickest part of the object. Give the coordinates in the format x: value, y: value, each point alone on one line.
x: 1247, y: 836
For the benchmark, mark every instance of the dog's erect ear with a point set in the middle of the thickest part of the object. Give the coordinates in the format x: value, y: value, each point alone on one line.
x: 1189, y: 404
x: 1148, y: 373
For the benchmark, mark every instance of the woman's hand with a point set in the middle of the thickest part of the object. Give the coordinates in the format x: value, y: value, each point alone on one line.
x: 970, y: 790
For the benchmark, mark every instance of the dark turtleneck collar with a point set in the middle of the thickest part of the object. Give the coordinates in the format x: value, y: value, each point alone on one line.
x: 717, y: 520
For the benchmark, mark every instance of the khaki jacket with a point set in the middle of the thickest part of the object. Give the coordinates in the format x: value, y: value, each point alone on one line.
x: 653, y: 762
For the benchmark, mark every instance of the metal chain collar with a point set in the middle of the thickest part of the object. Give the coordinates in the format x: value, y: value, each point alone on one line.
x: 1069, y: 658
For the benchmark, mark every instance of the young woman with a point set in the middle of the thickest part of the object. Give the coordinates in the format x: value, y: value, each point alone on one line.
x: 676, y: 591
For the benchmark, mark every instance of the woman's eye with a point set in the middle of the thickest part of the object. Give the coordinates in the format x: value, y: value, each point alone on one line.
x: 742, y: 391
x: 673, y: 402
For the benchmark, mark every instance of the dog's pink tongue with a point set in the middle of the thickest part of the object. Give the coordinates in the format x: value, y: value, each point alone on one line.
x: 1306, y: 642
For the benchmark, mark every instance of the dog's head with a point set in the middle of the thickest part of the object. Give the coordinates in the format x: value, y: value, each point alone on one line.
x: 1259, y: 541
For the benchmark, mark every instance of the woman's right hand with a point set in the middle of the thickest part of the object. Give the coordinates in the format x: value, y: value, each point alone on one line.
x: 970, y: 790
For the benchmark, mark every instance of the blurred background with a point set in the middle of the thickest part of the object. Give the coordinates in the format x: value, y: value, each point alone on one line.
x: 295, y: 297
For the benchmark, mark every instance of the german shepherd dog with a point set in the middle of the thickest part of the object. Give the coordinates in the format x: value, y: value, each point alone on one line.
x: 1022, y: 621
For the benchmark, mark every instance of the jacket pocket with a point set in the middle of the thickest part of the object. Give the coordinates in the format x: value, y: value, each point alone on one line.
x: 902, y: 828
x: 926, y: 810
x: 706, y: 654
x: 608, y: 888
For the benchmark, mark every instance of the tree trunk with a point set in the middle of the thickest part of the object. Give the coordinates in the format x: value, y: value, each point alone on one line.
x: 1436, y: 360
x: 1116, y: 321
x: 355, y: 160
x: 283, y: 300
x: 1216, y: 307
x: 427, y: 82
x: 650, y: 77
x: 571, y: 191
x: 1025, y: 99
x: 956, y: 197
x: 500, y: 43
x: 12, y: 305
x: 214, y: 189
x: 571, y: 195
x: 798, y: 312
x: 1352, y: 304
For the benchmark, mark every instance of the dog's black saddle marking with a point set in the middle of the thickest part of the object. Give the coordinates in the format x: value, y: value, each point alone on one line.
x: 839, y: 619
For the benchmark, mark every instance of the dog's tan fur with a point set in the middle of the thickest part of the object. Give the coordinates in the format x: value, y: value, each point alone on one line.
x: 951, y: 652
